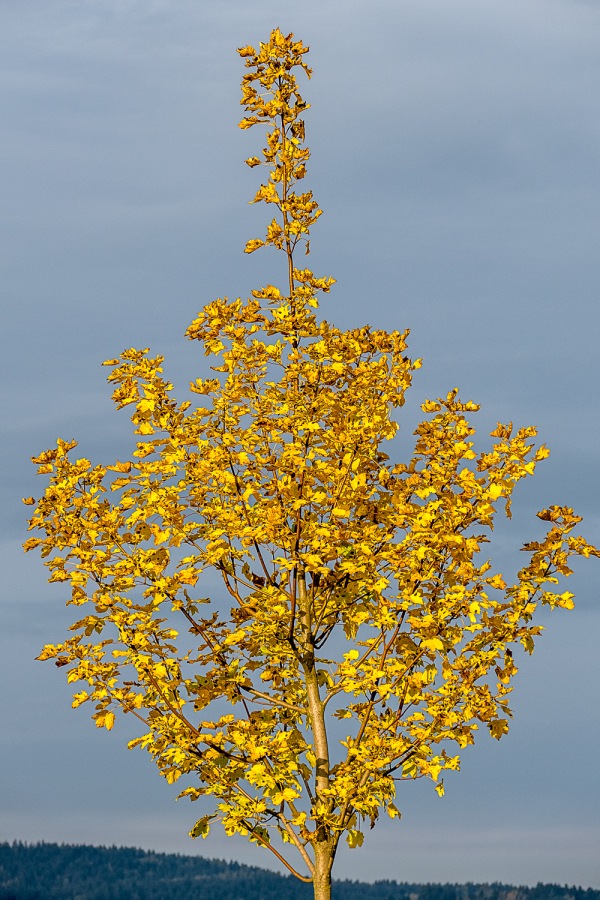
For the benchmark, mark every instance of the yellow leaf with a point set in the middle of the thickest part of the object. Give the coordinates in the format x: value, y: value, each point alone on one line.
x: 498, y: 727
x: 433, y: 644
x: 253, y: 245
x: 201, y: 828
x: 120, y: 467
x: 495, y: 491
x: 354, y: 838
x: 497, y: 581
x: 105, y: 719
x: 79, y: 698
x: 565, y: 601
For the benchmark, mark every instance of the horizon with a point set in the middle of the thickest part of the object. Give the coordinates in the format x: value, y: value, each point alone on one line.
x: 285, y: 874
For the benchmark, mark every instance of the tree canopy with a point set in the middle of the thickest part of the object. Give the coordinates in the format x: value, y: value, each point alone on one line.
x: 352, y: 588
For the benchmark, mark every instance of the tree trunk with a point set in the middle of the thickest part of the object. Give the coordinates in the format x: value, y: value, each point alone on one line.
x: 322, y: 876
x: 322, y: 887
x: 323, y: 845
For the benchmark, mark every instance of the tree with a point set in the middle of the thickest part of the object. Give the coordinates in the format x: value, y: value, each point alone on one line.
x: 352, y: 589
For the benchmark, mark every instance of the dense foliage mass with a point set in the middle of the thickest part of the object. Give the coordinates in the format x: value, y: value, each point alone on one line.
x: 351, y: 588
x: 53, y: 872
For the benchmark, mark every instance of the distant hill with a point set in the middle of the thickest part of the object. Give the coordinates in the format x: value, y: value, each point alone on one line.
x: 67, y: 872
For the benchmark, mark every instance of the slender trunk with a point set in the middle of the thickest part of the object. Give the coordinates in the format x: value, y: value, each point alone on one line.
x: 322, y: 842
x: 322, y: 876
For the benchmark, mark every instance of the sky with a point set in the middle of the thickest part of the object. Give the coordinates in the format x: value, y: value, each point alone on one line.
x: 455, y: 153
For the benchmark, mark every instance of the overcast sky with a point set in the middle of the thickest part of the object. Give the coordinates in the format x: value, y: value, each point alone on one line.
x: 456, y: 151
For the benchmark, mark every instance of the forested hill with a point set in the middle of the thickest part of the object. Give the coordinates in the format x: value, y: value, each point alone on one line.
x: 44, y: 871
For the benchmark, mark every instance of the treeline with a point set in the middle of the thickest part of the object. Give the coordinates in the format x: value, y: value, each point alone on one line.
x: 65, y: 872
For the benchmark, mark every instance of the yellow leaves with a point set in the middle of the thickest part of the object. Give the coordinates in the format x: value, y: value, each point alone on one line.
x: 498, y: 727
x: 502, y: 431
x: 556, y: 514
x: 146, y: 405
x: 28, y: 501
x: 58, y: 575
x: 202, y: 826
x: 270, y: 292
x: 284, y: 796
x: 275, y: 235
x: 341, y: 512
x: 253, y: 245
x: 234, y: 638
x: 496, y: 581
x: 105, y: 719
x: 144, y: 741
x: 269, y: 102
x: 527, y: 642
x: 305, y: 276
x: 354, y: 838
x: 578, y: 545
x: 267, y: 193
x: 495, y: 491
x: 358, y: 481
x: 314, y: 562
x: 565, y: 600
x: 275, y: 488
x: 409, y: 769
x: 79, y: 698
x: 120, y: 467
x: 432, y: 644
x: 49, y: 651
x: 160, y: 535
x: 248, y: 122
x: 172, y: 775
x: 205, y: 386
x: 32, y: 543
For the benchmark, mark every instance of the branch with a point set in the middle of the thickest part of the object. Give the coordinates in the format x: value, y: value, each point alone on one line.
x: 281, y: 859
x: 294, y: 588
x: 272, y: 700
x: 297, y: 843
x: 289, y: 829
x: 366, y: 654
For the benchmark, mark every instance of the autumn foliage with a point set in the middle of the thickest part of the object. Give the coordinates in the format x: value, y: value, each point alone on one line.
x: 352, y: 588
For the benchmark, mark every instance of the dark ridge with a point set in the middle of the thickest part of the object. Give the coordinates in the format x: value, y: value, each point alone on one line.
x: 72, y: 872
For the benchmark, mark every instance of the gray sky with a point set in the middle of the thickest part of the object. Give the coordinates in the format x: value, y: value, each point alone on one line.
x: 456, y: 150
